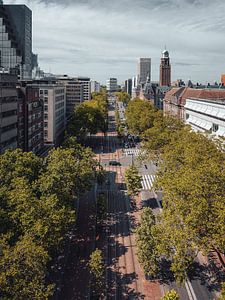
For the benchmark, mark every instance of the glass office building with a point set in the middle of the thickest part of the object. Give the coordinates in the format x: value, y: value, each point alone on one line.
x: 16, y: 39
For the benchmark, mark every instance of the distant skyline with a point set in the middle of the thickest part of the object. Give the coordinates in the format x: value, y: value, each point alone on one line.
x: 101, y: 38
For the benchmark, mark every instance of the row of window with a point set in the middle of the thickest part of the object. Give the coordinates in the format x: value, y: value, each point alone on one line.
x: 215, y: 127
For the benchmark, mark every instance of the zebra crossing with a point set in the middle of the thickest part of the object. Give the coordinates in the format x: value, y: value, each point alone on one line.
x: 133, y: 151
x: 147, y: 181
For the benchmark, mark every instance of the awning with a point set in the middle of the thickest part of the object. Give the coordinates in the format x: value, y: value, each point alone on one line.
x: 220, y: 132
x: 207, y: 126
x: 221, y: 114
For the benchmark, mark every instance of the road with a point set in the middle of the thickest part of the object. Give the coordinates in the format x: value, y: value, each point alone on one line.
x: 201, y: 284
x: 124, y: 277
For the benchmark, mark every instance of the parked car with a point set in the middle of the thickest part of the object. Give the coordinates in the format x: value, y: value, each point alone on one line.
x: 114, y: 163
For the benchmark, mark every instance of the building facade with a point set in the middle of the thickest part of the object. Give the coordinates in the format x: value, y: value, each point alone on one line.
x: 206, y: 115
x: 175, y: 99
x: 128, y: 86
x: 165, y: 69
x: 86, y: 86
x: 144, y: 70
x: 30, y: 119
x: 54, y: 99
x: 74, y: 94
x: 223, y: 79
x: 111, y: 85
x: 160, y: 92
x: 8, y: 112
x: 16, y: 39
x: 95, y: 86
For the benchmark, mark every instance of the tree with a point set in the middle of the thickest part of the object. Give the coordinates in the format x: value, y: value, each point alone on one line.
x: 171, y: 295
x: 68, y: 174
x: 123, y: 97
x: 16, y: 163
x: 133, y: 181
x: 146, y: 244
x: 160, y: 134
x: 192, y: 179
x: 22, y: 271
x: 87, y: 119
x: 140, y: 115
x: 97, y: 271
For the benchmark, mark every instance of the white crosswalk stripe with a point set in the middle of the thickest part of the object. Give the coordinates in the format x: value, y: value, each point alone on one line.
x: 147, y: 181
x: 134, y: 151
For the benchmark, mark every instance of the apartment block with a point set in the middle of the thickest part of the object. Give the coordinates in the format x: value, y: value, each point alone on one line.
x: 111, y: 85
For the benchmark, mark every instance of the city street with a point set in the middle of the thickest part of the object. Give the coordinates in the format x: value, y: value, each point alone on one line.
x: 124, y: 276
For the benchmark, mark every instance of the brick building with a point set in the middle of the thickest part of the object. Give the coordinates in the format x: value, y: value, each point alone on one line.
x: 175, y: 99
x: 30, y: 119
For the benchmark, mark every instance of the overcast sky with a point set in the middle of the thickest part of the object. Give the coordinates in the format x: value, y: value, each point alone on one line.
x: 104, y: 38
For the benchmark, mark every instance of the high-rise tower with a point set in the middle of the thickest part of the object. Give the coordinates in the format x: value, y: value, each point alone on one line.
x: 16, y: 39
x: 144, y: 70
x: 165, y: 69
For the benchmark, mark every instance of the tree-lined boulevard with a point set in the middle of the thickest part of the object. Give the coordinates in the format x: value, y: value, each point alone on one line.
x: 117, y: 222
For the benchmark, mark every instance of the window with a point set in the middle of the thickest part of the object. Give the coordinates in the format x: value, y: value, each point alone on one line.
x: 215, y: 127
x: 187, y: 116
x: 46, y: 92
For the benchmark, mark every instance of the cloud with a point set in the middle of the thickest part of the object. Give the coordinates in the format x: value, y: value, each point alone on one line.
x: 102, y: 38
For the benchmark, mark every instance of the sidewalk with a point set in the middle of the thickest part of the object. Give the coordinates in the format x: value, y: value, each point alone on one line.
x: 75, y: 283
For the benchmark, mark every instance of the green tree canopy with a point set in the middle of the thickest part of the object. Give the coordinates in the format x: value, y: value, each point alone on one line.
x: 37, y: 200
x: 87, y: 118
x: 16, y: 163
x: 97, y: 271
x: 133, y: 181
x: 140, y: 115
x: 23, y: 269
x: 161, y: 133
x: 192, y: 178
x: 171, y: 295
x: 123, y: 97
x: 146, y: 244
x: 67, y: 172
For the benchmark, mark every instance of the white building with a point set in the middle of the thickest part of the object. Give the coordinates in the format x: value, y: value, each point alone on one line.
x: 54, y: 99
x: 95, y: 86
x: 144, y: 70
x: 86, y: 84
x: 111, y: 85
x: 206, y: 115
x: 135, y: 89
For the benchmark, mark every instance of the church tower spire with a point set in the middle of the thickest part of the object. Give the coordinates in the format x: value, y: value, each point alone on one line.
x: 165, y: 69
